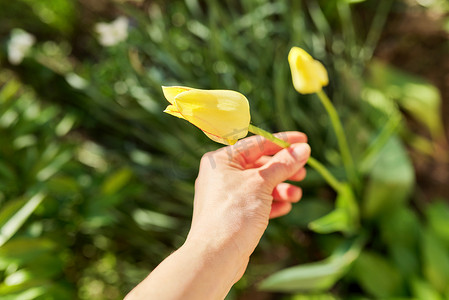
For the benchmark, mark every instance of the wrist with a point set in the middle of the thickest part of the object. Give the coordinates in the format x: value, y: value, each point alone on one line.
x: 214, y: 248
x: 217, y: 256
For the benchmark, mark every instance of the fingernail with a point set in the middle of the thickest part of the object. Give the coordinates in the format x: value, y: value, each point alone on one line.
x: 301, y: 151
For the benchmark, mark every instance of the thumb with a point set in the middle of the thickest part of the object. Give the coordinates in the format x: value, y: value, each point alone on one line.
x: 285, y: 164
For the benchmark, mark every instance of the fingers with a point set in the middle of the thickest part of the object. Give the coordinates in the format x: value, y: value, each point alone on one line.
x: 279, y: 209
x: 298, y: 176
x: 284, y: 164
x: 284, y: 195
x: 249, y: 150
x: 285, y: 192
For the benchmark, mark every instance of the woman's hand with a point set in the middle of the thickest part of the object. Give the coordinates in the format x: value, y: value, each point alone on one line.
x: 238, y: 189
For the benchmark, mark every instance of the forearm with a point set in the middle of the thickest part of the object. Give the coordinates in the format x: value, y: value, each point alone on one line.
x: 195, y: 271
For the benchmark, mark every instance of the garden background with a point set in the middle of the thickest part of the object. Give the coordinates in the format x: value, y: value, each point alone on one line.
x: 96, y: 183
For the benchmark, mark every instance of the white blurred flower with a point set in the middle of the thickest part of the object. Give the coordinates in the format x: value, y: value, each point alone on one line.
x: 19, y: 44
x: 76, y: 81
x: 110, y: 34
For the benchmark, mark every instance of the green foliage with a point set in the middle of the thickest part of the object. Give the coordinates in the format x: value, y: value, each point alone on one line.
x: 314, y: 297
x: 391, y: 180
x: 62, y: 200
x: 377, y: 276
x: 423, y: 290
x: 438, y: 220
x: 416, y: 96
x: 345, y: 216
x: 436, y: 261
x: 15, y: 213
x: 317, y: 276
x: 400, y: 230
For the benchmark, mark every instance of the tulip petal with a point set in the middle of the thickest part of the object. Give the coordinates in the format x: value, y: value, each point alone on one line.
x: 172, y: 110
x: 170, y: 92
x: 322, y: 74
x: 299, y: 53
x: 220, y: 140
x: 222, y: 114
x: 308, y: 75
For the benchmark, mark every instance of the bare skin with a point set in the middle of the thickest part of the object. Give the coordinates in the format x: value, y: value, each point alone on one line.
x: 238, y: 189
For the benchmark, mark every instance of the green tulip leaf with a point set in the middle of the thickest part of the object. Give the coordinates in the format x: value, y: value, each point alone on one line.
x: 422, y: 290
x: 317, y: 276
x: 390, y: 180
x: 377, y: 276
x: 438, y: 218
x: 416, y: 96
x: 435, y: 261
x: 345, y: 216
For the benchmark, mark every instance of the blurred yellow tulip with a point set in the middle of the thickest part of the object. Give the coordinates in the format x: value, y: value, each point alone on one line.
x: 308, y: 75
x: 223, y: 115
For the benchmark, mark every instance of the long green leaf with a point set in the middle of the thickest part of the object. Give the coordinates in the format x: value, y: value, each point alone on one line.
x: 318, y: 276
x: 345, y: 216
x: 422, y: 290
x: 435, y: 261
x: 377, y: 275
x: 12, y: 221
x: 438, y: 218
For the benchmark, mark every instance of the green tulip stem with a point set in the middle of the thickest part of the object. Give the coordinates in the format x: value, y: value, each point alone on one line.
x: 324, y: 172
x: 312, y: 162
x: 341, y: 137
x: 268, y: 136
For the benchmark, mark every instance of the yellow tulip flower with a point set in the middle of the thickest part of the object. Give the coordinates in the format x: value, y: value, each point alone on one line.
x: 308, y: 75
x: 223, y: 115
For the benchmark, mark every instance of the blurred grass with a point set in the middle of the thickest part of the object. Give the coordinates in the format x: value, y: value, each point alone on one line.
x: 82, y: 125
